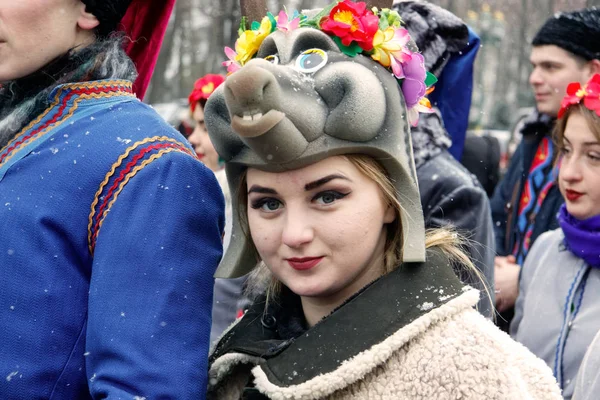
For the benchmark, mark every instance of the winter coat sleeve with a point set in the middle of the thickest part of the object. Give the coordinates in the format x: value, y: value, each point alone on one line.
x: 150, y: 298
x: 502, y: 196
x: 587, y: 386
x: 467, y: 209
x: 527, y: 273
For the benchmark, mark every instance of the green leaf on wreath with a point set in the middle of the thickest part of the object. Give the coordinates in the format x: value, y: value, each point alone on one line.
x: 430, y: 79
x: 350, y: 51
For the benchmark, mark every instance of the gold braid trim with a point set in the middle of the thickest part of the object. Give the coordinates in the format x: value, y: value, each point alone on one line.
x: 111, y: 172
x: 126, y: 180
x: 56, y: 124
x: 83, y: 85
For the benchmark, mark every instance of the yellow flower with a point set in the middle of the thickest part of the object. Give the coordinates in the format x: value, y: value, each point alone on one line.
x: 381, y: 42
x: 249, y: 41
x: 390, y: 48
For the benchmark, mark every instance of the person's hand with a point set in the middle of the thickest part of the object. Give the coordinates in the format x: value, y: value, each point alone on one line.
x: 506, y: 277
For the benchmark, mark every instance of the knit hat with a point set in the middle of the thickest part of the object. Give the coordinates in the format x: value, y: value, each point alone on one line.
x: 577, y: 32
x: 304, y: 94
x: 144, y: 23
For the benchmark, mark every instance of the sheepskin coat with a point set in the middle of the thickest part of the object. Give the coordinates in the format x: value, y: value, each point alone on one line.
x: 412, y: 334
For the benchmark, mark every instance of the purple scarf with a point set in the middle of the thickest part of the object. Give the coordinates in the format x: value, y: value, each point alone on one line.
x: 582, y: 238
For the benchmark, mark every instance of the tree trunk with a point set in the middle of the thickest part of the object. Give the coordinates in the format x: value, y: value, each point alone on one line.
x: 159, y: 81
x: 523, y: 46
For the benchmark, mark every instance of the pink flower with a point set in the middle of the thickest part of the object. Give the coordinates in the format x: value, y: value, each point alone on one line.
x: 231, y: 64
x: 285, y: 23
x: 423, y: 106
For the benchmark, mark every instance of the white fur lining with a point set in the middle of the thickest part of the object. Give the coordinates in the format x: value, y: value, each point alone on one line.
x: 214, y: 344
x: 224, y: 364
x: 360, y: 365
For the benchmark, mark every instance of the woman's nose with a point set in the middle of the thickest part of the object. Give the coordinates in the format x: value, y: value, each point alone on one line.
x: 298, y: 229
x: 194, y: 138
x: 570, y: 169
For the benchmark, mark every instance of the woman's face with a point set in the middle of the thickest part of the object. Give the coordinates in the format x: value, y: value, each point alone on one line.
x: 34, y: 32
x: 200, y: 140
x: 319, y: 229
x: 579, y: 176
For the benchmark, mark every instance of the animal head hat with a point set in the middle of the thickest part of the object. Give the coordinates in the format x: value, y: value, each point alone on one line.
x: 305, y: 87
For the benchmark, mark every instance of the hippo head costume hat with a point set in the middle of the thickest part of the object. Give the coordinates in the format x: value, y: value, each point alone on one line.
x: 304, y: 87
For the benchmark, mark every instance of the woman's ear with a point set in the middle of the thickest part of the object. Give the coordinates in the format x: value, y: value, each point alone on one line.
x: 86, y: 20
x: 390, y: 214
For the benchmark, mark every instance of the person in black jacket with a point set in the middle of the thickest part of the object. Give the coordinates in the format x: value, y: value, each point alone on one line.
x: 526, y: 201
x: 450, y: 194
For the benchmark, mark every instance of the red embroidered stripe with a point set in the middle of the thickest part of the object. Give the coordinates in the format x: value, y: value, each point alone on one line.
x: 58, y: 115
x: 128, y: 167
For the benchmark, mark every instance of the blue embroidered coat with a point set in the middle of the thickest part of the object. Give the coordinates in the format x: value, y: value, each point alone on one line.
x: 110, y: 234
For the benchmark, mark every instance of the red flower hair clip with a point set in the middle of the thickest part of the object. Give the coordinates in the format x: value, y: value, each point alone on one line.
x: 589, y: 93
x: 203, y: 88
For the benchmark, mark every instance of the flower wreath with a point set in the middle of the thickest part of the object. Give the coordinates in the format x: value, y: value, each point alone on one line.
x: 203, y: 88
x: 588, y: 93
x: 356, y: 30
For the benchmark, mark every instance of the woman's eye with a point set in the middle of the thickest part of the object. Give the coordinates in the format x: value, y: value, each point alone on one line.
x: 311, y: 60
x: 329, y: 197
x: 267, y: 204
x: 594, y: 156
x: 273, y: 59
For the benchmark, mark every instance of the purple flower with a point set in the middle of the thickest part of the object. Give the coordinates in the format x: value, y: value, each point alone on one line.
x: 413, y: 86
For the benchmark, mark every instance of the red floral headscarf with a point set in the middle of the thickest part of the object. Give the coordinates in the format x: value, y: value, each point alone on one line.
x: 588, y: 93
x: 203, y: 88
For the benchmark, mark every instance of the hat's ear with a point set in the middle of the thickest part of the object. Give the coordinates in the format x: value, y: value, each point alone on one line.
x: 254, y: 10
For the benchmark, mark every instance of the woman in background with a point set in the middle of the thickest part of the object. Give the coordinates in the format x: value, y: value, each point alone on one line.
x: 557, y: 313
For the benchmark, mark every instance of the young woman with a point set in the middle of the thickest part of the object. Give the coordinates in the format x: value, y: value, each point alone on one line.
x: 110, y: 226
x: 360, y: 302
x: 228, y: 296
x: 557, y: 311
x: 199, y: 138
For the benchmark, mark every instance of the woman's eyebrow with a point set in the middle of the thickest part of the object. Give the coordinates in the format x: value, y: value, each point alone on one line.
x: 588, y: 144
x: 322, y: 181
x: 261, y: 189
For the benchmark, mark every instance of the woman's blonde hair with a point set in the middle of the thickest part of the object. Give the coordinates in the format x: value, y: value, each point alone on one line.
x: 452, y: 244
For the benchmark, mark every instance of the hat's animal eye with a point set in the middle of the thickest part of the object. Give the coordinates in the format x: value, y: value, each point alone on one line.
x: 272, y: 59
x: 311, y: 60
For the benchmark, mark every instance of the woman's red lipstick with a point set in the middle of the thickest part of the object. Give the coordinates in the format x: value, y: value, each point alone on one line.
x: 303, y: 263
x: 572, y: 195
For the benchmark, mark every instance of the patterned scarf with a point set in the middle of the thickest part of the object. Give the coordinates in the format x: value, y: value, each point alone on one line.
x: 23, y: 99
x: 540, y: 180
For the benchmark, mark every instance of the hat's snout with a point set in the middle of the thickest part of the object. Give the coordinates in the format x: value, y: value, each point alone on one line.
x: 251, y: 94
x: 273, y: 111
